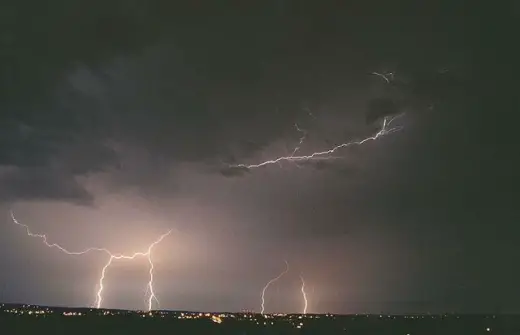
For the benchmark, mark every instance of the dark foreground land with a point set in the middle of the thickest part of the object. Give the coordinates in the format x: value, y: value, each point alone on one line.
x: 24, y: 319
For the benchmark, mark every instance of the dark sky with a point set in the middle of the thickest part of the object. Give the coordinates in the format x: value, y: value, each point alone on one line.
x: 119, y: 120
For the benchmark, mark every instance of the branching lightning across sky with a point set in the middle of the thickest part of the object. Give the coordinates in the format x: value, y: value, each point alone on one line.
x: 271, y: 282
x: 385, y: 130
x: 99, y: 296
x: 304, y: 295
x: 54, y: 245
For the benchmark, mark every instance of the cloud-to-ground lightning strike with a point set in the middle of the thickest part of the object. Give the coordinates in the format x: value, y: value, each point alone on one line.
x: 271, y: 282
x: 304, y: 295
x: 99, y: 297
x: 385, y: 130
x: 147, y: 254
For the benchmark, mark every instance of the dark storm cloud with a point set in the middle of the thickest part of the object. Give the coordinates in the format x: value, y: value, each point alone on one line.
x: 381, y: 107
x: 37, y: 54
x: 448, y: 169
x: 47, y: 141
x: 337, y: 168
x: 43, y: 157
x: 320, y: 164
x: 41, y: 184
x: 416, y: 92
x: 235, y: 171
x: 139, y: 89
x: 178, y: 92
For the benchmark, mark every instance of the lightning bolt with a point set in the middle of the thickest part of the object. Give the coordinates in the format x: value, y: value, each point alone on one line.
x: 385, y: 130
x: 304, y: 295
x: 302, y: 139
x: 271, y: 282
x: 386, y: 76
x: 99, y: 297
x: 148, y: 254
x: 43, y: 237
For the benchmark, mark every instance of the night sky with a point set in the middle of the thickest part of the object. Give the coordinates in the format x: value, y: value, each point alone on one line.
x: 119, y: 121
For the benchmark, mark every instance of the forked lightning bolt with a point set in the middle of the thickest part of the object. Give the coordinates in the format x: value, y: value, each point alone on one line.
x: 302, y: 139
x: 271, y: 282
x: 99, y: 297
x: 386, y: 76
x: 304, y: 295
x: 148, y: 253
x: 385, y: 130
x: 300, y: 142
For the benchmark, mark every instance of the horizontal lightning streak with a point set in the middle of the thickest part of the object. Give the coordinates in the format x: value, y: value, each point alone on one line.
x: 99, y: 297
x: 385, y: 130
